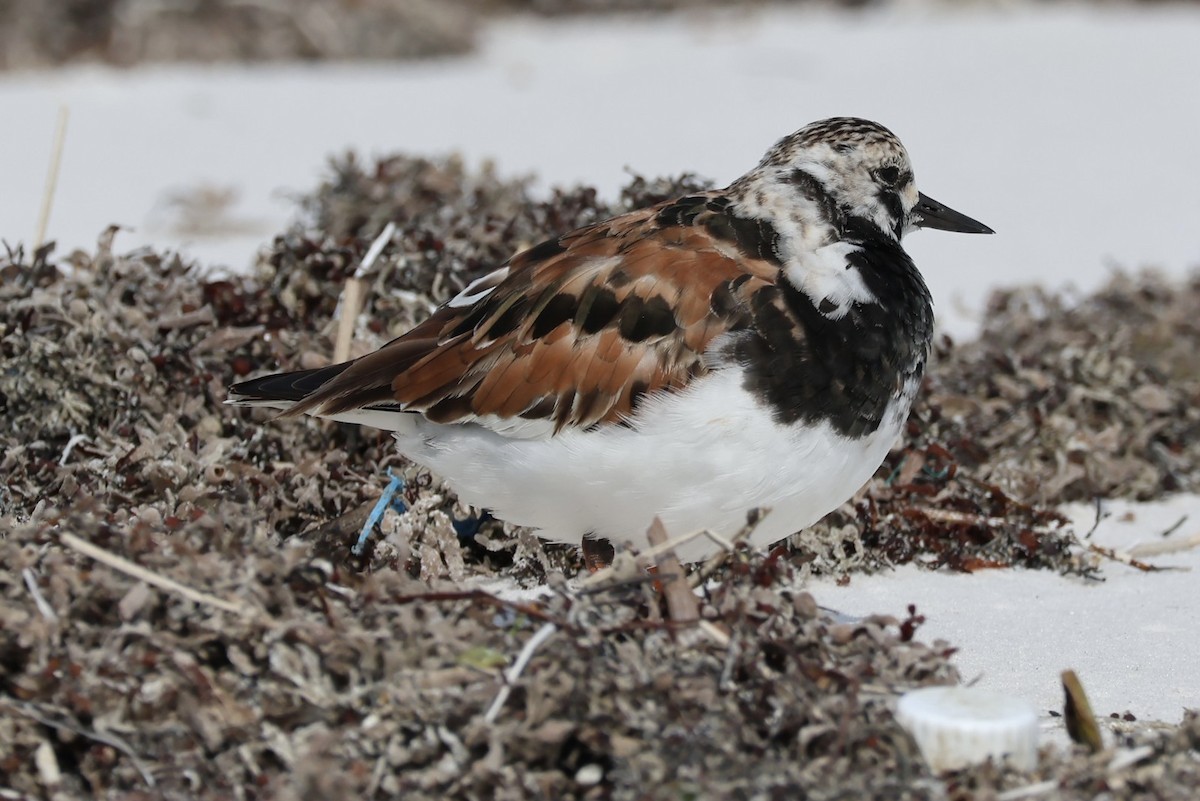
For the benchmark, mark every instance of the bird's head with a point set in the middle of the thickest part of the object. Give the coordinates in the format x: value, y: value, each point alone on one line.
x: 857, y: 171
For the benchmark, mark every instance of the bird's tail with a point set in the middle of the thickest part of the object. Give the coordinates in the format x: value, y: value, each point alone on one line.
x: 282, y: 390
x: 289, y: 391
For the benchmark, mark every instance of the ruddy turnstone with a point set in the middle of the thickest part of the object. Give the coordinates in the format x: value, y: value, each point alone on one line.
x: 757, y: 346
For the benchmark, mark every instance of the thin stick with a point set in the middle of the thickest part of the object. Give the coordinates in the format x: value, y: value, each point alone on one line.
x: 71, y: 443
x: 133, y: 570
x: 352, y: 295
x: 651, y: 554
x: 1125, y: 558
x: 1129, y: 758
x: 620, y: 570
x: 376, y: 248
x: 1029, y: 791
x: 714, y: 562
x: 513, y: 673
x: 1174, y: 526
x: 682, y: 606
x: 647, y: 557
x: 60, y: 135
x: 1143, y: 549
x: 39, y: 601
x: 714, y: 632
x: 955, y: 517
x: 31, y: 711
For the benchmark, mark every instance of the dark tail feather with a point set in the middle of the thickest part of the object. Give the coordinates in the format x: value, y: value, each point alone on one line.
x: 283, y: 387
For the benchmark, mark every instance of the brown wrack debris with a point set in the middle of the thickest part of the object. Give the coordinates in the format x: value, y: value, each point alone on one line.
x: 316, y: 675
x: 42, y: 33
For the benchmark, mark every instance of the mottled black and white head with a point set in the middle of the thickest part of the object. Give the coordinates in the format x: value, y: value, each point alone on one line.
x: 850, y: 171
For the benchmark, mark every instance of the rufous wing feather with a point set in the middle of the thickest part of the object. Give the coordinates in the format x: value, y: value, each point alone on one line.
x: 579, y: 330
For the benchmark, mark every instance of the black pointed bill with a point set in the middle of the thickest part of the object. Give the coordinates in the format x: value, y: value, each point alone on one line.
x: 931, y: 214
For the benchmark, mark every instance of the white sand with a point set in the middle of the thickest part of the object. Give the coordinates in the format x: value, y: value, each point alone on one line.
x: 1131, y: 638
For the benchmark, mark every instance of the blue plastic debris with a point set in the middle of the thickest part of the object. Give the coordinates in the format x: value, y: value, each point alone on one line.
x: 388, y: 498
x: 468, y: 527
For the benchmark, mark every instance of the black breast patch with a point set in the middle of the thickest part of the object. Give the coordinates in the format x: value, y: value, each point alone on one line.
x: 846, y: 371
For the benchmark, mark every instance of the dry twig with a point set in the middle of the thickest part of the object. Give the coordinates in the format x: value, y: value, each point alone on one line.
x: 60, y: 135
x: 136, y: 571
x: 514, y: 673
x: 682, y: 606
x: 352, y: 295
x: 39, y: 600
x: 34, y: 713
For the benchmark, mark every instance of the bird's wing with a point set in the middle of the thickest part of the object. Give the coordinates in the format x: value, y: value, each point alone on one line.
x: 573, y: 332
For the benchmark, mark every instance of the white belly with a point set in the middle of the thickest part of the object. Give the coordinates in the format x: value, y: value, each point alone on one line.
x: 699, y: 458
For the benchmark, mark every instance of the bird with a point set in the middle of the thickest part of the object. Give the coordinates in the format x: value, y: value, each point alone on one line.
x: 752, y: 348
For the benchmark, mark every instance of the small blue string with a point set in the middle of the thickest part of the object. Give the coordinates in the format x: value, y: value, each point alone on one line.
x: 388, y: 498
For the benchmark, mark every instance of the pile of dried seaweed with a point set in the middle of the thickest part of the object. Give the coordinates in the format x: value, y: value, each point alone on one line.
x: 1068, y: 402
x: 40, y: 33
x: 324, y: 684
x: 44, y: 33
x: 270, y: 670
x: 568, y: 7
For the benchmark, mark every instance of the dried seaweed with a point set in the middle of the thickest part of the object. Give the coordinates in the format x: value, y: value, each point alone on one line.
x: 43, y: 33
x: 1061, y: 401
x: 337, y: 683
x: 40, y: 33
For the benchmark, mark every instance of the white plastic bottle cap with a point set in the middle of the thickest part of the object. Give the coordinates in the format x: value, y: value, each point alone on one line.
x: 960, y: 726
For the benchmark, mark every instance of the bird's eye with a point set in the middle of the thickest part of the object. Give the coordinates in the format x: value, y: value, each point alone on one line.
x: 888, y: 175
